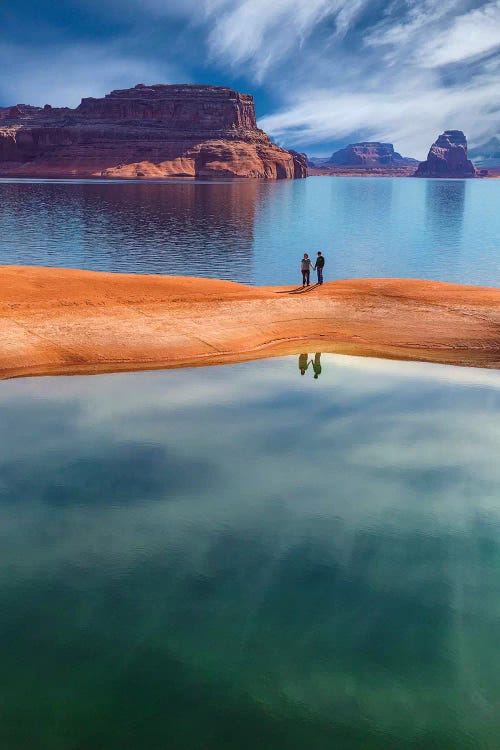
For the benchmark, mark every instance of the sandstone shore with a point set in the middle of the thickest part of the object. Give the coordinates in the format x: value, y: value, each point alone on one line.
x: 62, y: 321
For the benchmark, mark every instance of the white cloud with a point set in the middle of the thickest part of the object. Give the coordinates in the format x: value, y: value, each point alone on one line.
x: 392, y: 86
x: 260, y: 33
x: 471, y: 34
x: 408, y: 113
x: 421, y: 15
x: 335, y: 69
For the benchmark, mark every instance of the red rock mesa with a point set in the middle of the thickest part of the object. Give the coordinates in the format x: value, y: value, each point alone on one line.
x: 148, y: 131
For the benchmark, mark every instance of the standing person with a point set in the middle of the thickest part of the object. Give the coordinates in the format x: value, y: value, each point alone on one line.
x: 305, y: 267
x: 318, y: 266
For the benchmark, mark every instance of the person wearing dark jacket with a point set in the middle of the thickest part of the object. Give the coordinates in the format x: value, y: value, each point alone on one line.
x: 318, y: 267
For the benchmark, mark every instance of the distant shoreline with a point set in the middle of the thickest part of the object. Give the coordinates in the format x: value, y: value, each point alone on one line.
x: 493, y: 172
x: 64, y: 321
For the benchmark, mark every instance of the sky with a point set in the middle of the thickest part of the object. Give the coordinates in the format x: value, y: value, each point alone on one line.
x: 324, y: 73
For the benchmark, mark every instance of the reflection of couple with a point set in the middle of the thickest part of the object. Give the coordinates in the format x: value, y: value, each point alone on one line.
x: 304, y: 363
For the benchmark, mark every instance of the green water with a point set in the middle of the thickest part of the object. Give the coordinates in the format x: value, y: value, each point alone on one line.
x: 244, y: 557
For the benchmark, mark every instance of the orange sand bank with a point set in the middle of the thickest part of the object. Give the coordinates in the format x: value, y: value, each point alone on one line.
x: 56, y: 321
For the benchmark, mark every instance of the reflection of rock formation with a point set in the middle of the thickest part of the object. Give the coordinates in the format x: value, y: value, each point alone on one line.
x: 362, y: 198
x: 445, y: 202
x: 447, y: 157
x: 191, y: 229
x: 147, y: 131
x: 184, y: 228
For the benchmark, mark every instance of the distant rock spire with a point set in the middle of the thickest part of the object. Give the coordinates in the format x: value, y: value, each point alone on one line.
x: 447, y: 157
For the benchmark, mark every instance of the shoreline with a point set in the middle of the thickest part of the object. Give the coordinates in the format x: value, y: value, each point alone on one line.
x: 493, y: 174
x: 56, y: 321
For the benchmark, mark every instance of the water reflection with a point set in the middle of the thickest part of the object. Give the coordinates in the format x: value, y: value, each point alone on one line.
x: 257, y: 231
x: 194, y: 559
x: 364, y: 196
x: 445, y: 205
x: 187, y: 228
x: 317, y: 365
x: 304, y: 363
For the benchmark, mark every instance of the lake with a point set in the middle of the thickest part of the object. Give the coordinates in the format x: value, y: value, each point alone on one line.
x: 256, y: 231
x: 245, y: 557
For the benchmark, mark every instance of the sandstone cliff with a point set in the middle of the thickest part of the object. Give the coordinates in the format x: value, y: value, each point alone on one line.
x: 447, y: 157
x: 148, y: 131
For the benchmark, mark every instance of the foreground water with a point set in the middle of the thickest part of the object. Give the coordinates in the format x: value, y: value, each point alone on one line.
x: 256, y: 231
x: 244, y: 557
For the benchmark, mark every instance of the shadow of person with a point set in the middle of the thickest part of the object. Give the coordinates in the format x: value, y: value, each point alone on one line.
x: 316, y: 363
x: 303, y: 363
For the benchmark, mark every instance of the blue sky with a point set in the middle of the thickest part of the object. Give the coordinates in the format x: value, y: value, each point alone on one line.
x: 323, y: 72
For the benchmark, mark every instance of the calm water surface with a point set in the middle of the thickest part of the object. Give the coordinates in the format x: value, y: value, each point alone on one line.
x: 256, y: 231
x: 242, y: 557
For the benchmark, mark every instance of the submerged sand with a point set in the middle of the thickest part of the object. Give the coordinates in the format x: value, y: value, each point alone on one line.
x: 62, y: 321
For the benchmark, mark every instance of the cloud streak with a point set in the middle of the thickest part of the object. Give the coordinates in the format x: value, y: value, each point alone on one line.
x: 412, y: 122
x: 262, y: 33
x: 472, y: 34
x: 324, y: 72
x: 406, y: 79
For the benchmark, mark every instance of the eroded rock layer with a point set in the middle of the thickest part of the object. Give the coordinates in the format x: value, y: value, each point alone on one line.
x: 147, y: 131
x: 55, y: 321
x: 369, y: 154
x: 447, y: 157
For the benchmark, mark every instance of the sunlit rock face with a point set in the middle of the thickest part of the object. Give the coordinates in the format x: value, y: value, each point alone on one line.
x: 447, y: 157
x: 146, y: 131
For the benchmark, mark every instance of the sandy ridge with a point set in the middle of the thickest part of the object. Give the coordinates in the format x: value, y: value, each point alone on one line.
x: 56, y: 321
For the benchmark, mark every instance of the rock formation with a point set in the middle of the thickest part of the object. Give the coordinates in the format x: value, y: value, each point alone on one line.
x: 300, y: 163
x: 66, y: 321
x: 148, y: 131
x: 447, y: 157
x: 369, y: 154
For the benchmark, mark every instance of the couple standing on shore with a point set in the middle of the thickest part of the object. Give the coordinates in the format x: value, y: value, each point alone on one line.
x: 305, y: 267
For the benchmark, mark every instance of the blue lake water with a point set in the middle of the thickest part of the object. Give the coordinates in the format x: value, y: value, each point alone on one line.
x: 254, y: 231
x: 244, y: 557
